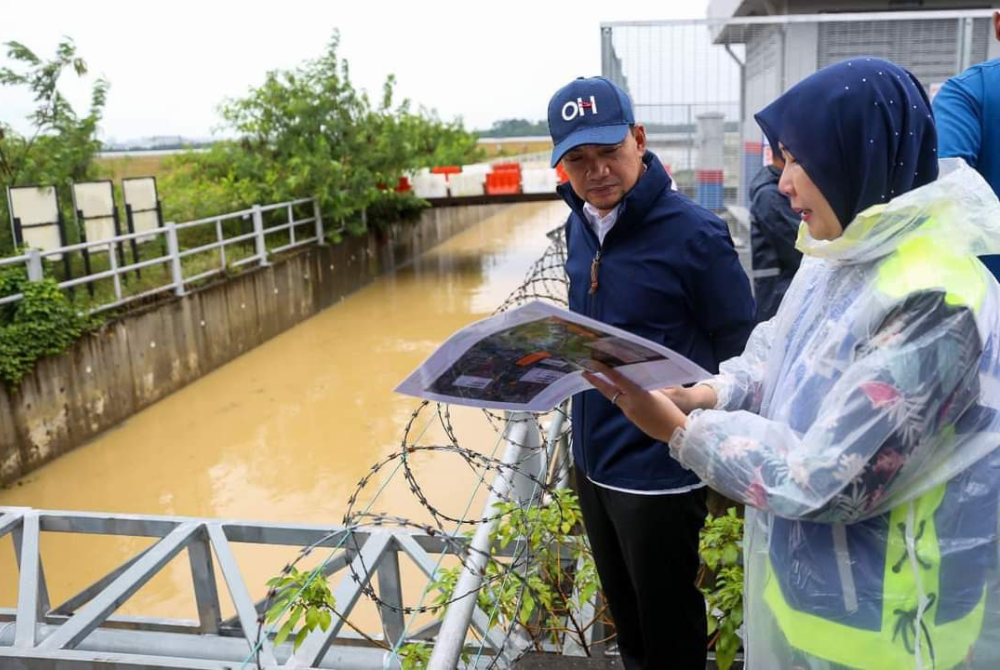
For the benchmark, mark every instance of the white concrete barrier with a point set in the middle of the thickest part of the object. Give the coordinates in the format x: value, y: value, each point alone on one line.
x: 477, y: 168
x: 467, y: 184
x: 535, y: 165
x: 430, y: 185
x: 539, y: 180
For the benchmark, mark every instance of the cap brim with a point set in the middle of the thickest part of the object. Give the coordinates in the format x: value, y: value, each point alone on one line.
x: 593, y: 135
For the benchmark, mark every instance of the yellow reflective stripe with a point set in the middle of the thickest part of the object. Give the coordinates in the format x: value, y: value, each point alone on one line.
x: 900, y: 588
x: 872, y: 650
x: 877, y: 650
x: 919, y: 263
x: 867, y: 649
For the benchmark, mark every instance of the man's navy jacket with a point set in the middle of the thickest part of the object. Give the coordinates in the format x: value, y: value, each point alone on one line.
x: 774, y: 226
x: 668, y: 272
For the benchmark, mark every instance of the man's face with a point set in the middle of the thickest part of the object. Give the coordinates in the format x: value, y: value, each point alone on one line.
x: 996, y: 23
x: 603, y: 174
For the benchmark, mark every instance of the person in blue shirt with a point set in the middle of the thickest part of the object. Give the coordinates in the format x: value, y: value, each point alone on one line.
x: 967, y: 112
x: 644, y: 258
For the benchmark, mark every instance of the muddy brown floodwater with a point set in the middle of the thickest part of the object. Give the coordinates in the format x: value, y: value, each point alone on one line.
x: 284, y: 432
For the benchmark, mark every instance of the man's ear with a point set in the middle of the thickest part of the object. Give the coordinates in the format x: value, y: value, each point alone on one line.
x: 639, y: 132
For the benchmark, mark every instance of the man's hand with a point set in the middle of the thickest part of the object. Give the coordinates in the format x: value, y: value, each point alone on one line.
x: 654, y: 412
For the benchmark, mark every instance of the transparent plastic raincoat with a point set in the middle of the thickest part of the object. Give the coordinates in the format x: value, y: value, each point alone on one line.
x: 860, y: 428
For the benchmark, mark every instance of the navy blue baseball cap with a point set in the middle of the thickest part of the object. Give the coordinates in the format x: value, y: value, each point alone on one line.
x: 588, y: 111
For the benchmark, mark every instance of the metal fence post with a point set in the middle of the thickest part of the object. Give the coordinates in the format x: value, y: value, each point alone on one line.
x: 318, y: 215
x: 965, y: 43
x: 258, y: 231
x: 523, y: 453
x: 174, y: 251
x: 35, y: 271
x: 115, y: 277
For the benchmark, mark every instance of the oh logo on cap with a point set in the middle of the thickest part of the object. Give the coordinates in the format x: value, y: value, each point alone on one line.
x: 578, y: 107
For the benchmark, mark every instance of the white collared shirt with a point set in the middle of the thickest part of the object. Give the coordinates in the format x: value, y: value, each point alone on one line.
x: 600, y: 225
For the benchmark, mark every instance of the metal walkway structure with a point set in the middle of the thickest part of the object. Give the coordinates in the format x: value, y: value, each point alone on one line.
x: 85, y: 632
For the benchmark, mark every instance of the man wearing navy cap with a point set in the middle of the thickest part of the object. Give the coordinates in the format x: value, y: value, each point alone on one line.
x: 647, y: 259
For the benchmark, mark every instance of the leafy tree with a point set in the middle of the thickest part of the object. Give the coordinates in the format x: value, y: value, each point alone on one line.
x: 61, y: 145
x: 307, y: 132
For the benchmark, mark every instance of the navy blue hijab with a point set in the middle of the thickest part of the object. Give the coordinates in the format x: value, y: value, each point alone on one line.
x: 862, y: 129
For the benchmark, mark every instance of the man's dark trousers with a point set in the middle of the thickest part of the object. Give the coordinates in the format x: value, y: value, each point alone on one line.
x: 646, y: 550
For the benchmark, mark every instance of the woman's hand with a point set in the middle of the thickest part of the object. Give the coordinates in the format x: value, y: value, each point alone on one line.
x: 689, y: 399
x: 654, y: 412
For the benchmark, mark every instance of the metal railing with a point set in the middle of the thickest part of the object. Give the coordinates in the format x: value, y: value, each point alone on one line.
x: 173, y: 256
x: 84, y: 631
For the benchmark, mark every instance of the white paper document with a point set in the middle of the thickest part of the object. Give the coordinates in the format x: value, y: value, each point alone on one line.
x: 531, y: 359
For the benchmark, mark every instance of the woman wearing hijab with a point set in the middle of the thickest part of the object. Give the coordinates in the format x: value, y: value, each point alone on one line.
x: 858, y: 424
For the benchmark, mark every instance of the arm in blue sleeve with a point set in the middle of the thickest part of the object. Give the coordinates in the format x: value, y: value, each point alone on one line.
x: 958, y: 115
x: 720, y: 293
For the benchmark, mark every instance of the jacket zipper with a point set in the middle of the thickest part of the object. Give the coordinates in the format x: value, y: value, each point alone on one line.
x: 595, y: 266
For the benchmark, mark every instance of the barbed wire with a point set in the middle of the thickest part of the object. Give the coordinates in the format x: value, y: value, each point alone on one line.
x: 546, y: 280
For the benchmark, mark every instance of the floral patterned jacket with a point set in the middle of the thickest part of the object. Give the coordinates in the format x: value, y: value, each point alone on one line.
x: 851, y: 422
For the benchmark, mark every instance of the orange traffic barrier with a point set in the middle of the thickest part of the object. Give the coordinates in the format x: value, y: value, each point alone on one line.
x: 563, y: 177
x: 501, y: 167
x: 446, y: 169
x: 505, y: 182
x: 402, y: 186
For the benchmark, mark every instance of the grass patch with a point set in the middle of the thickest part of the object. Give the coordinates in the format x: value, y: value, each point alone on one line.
x: 117, y: 168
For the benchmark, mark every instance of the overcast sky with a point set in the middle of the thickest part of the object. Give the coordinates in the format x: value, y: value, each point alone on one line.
x: 169, y: 67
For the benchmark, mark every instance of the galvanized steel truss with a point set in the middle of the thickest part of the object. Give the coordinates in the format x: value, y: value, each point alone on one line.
x: 84, y: 632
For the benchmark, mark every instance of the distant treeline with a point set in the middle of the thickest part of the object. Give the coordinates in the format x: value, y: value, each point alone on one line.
x: 178, y: 146
x: 525, y: 128
x: 515, y: 128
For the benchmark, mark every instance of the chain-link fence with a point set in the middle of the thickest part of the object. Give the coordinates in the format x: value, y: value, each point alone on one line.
x: 696, y: 84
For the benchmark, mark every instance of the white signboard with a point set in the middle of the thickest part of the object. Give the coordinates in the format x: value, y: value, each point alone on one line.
x: 95, y: 203
x: 141, y: 198
x: 37, y: 212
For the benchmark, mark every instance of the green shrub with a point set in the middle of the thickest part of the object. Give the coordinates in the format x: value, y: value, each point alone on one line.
x: 43, y: 323
x: 721, y: 549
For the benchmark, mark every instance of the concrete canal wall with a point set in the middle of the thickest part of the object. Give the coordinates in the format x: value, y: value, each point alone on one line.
x: 148, y: 353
